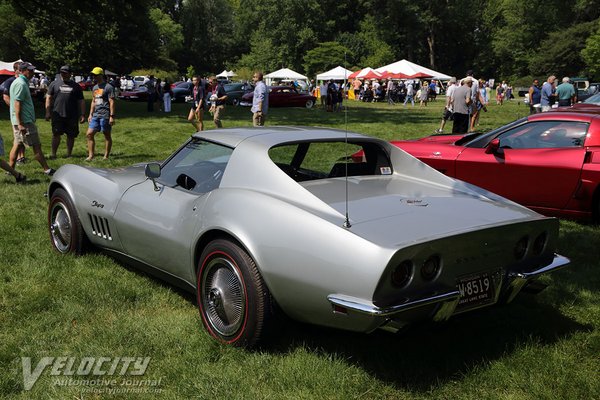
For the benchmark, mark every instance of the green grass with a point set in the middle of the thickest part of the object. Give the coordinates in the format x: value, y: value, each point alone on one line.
x: 539, y: 347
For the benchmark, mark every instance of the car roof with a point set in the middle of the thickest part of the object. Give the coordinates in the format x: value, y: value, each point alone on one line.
x: 568, y: 116
x: 271, y: 136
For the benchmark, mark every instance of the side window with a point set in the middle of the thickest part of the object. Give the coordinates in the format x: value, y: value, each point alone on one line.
x: 197, y: 167
x: 320, y: 160
x: 545, y: 135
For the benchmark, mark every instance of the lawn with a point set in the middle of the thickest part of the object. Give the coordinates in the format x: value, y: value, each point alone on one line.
x: 538, y: 347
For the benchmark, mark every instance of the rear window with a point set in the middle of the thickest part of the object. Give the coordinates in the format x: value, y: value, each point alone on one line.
x: 330, y: 159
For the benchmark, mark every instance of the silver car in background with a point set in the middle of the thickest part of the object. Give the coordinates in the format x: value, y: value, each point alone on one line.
x: 255, y: 220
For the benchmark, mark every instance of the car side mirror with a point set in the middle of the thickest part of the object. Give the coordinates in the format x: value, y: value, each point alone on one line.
x: 493, y: 147
x: 152, y: 172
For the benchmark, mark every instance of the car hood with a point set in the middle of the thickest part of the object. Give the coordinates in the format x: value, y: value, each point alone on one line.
x: 394, y: 210
x: 124, y: 177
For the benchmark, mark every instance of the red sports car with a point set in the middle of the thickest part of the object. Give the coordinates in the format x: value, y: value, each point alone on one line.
x: 549, y: 162
x: 283, y: 96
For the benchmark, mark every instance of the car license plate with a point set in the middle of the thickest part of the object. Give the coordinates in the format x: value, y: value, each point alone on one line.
x: 475, y: 291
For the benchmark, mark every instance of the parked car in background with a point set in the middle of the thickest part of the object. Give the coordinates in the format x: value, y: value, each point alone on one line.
x: 283, y: 96
x: 235, y: 91
x: 412, y: 246
x: 138, y: 81
x: 584, y: 94
x: 549, y: 162
x: 139, y: 94
x: 181, y: 91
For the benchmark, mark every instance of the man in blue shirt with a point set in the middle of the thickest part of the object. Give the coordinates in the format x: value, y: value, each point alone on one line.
x: 547, y: 93
x: 260, y: 101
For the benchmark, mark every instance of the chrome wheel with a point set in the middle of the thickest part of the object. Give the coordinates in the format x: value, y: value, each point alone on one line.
x: 61, y: 227
x: 223, y: 296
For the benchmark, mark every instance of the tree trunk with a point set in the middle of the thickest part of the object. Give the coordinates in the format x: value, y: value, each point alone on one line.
x: 431, y: 43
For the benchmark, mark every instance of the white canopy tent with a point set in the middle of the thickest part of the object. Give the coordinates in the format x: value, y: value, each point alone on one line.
x: 337, y: 74
x: 284, y: 73
x: 226, y: 74
x: 409, y: 68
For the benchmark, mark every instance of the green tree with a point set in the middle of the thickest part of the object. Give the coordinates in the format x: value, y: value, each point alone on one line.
x: 12, y: 26
x: 562, y: 53
x: 86, y: 34
x: 325, y: 56
x: 591, y: 52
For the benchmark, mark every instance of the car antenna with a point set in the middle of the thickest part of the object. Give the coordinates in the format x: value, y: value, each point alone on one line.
x: 347, y: 224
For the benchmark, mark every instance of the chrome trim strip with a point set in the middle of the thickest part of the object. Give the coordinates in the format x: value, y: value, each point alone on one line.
x: 517, y: 280
x: 558, y: 262
x: 369, y: 308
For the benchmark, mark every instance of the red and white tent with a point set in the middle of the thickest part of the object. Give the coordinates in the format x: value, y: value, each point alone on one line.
x: 366, y: 73
x: 412, y: 70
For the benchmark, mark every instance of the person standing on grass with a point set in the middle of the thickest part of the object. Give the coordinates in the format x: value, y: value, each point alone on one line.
x: 565, y: 92
x: 461, y: 99
x: 102, y: 114
x: 167, y: 96
x: 218, y: 98
x: 196, y: 115
x: 410, y: 93
x: 548, y: 94
x: 535, y: 96
x: 19, y: 177
x: 323, y: 93
x: 5, y: 90
x: 66, y: 107
x: 447, y: 114
x: 22, y: 116
x: 260, y: 100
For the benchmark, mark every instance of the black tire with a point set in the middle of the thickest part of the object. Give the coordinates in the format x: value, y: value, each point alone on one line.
x: 235, y: 102
x: 234, y: 302
x: 64, y: 226
x: 309, y: 104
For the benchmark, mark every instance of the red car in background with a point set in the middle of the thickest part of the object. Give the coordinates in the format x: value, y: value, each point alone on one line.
x: 549, y: 162
x: 283, y: 96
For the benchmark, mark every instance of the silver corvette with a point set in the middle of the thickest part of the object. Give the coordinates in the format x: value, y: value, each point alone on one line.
x: 259, y: 221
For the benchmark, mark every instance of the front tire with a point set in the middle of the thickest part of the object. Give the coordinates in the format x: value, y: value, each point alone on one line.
x: 234, y: 302
x: 309, y: 103
x: 66, y: 232
x: 235, y: 102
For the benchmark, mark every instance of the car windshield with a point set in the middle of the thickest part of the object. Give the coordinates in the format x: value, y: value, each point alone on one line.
x: 306, y: 161
x: 595, y: 99
x: 198, y: 166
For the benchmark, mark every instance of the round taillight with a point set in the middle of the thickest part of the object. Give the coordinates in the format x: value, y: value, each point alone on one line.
x: 521, y: 248
x: 402, y: 273
x: 539, y: 244
x: 431, y: 268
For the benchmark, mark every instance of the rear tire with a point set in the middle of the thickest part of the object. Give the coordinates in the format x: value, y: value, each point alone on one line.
x: 64, y: 226
x: 234, y: 302
x: 235, y: 102
x: 309, y: 103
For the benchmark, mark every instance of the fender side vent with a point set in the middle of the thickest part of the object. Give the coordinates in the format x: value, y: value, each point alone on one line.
x: 100, y: 227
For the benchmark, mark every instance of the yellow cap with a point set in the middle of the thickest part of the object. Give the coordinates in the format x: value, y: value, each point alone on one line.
x: 98, y: 71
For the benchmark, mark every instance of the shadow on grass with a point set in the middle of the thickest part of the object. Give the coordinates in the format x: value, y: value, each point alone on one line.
x: 425, y: 356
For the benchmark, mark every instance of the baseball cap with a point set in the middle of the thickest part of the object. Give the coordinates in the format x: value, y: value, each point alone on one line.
x: 65, y: 68
x: 26, y: 65
x: 98, y: 71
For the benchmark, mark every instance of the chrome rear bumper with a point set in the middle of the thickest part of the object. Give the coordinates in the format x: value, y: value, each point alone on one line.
x: 446, y: 302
